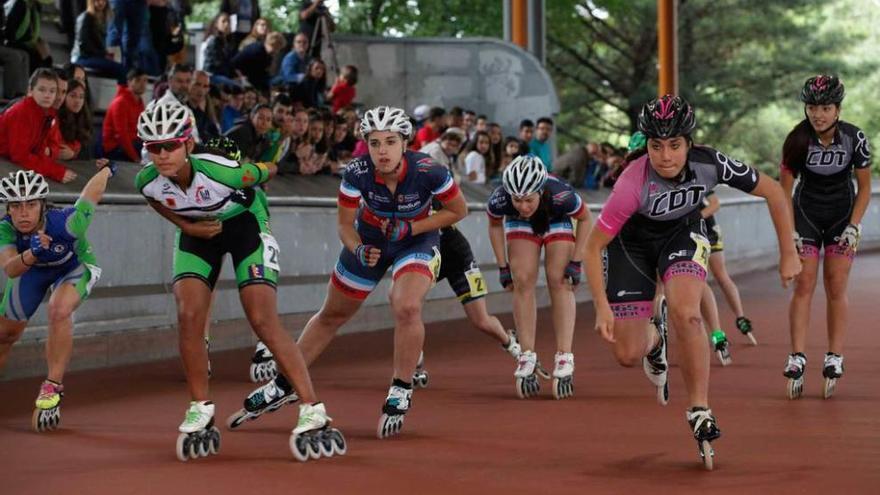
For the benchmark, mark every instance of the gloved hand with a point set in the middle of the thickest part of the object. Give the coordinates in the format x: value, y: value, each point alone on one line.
x: 798, y: 243
x: 397, y: 230
x: 850, y: 237
x: 41, y: 247
x: 573, y: 273
x: 367, y: 254
x: 504, y: 276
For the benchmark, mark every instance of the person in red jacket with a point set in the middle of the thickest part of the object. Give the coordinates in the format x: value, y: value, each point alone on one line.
x: 342, y: 93
x: 120, y: 122
x: 25, y: 129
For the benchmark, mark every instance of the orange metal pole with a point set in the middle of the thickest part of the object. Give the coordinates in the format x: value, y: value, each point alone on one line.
x: 519, y: 24
x: 667, y: 45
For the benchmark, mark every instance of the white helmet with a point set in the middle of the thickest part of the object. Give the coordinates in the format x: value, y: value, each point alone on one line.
x: 386, y: 119
x: 23, y: 185
x: 164, y: 119
x: 525, y: 174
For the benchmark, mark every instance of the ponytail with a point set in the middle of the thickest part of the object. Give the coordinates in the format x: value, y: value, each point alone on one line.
x: 797, y: 143
x: 540, y: 220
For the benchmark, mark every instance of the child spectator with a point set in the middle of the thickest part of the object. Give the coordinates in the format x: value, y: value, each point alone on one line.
x: 479, y: 155
x: 431, y: 130
x: 232, y: 111
x: 25, y: 129
x: 74, y: 123
x: 120, y: 122
x: 342, y: 94
x: 252, y: 136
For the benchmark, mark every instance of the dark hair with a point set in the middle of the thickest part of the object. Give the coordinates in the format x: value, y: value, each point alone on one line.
x: 470, y: 112
x: 350, y: 73
x: 257, y: 108
x: 472, y: 146
x: 513, y: 139
x: 212, y: 28
x: 629, y: 158
x: 482, y: 116
x: 526, y: 123
x: 61, y: 74
x: 795, y: 147
x: 233, y: 89
x: 436, y: 113
x: 179, y: 68
x: 42, y: 73
x: 76, y: 126
x: 540, y: 220
x: 545, y: 120
x: 283, y: 100
x: 70, y: 68
x: 134, y: 74
x: 456, y: 112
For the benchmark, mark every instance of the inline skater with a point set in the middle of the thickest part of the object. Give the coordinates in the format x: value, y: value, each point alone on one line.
x: 650, y: 226
x: 211, y: 188
x: 45, y: 248
x: 384, y: 222
x: 529, y: 211
x: 824, y: 152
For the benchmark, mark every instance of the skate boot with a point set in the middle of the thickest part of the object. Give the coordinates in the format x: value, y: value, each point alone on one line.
x: 513, y: 348
x: 563, y: 376
x: 705, y: 431
x: 794, y: 371
x: 832, y: 371
x: 263, y: 367
x: 420, y: 375
x: 47, y: 413
x: 745, y: 326
x: 527, y: 384
x: 198, y: 435
x: 396, y: 405
x: 655, y: 363
x: 265, y: 399
x: 313, y: 437
x: 722, y: 347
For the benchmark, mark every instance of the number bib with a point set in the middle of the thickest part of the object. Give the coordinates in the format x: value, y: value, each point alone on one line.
x: 270, y: 252
x: 702, y: 250
x: 476, y: 282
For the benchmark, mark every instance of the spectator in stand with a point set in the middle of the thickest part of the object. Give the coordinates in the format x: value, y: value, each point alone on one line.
x: 314, y: 159
x: 296, y: 133
x: 615, y: 164
x: 127, y: 23
x: 199, y: 102
x: 482, y: 123
x: 76, y: 72
x: 262, y: 28
x: 573, y: 167
x: 74, y: 124
x: 420, y: 115
x: 252, y: 136
x: 232, y: 111
x: 309, y: 13
x: 120, y: 122
x: 70, y: 10
x: 360, y: 148
x: 343, y: 141
x: 444, y: 150
x: 251, y: 98
x: 526, y: 133
x: 25, y: 129
x: 540, y: 145
x: 90, y: 41
x: 342, y: 94
x: 431, y: 130
x: 454, y: 118
x: 295, y: 63
x: 254, y: 60
x: 496, y: 137
x: 282, y: 114
x: 310, y: 91
x: 219, y: 51
x: 165, y: 31
x: 468, y: 123
x: 513, y: 148
x: 242, y: 14
x: 15, y: 70
x: 22, y: 31
x: 61, y: 94
x: 478, y: 157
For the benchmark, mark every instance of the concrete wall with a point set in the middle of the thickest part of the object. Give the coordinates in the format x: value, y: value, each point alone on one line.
x: 131, y: 314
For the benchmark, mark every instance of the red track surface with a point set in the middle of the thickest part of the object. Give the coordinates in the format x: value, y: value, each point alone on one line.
x: 468, y: 433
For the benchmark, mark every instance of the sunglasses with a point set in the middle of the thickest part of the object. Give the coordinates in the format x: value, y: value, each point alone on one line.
x: 156, y: 148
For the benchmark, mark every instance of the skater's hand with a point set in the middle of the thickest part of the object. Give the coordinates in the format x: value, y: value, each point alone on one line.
x: 505, y: 277
x: 40, y: 245
x: 102, y: 163
x: 396, y: 230
x: 605, y: 322
x: 368, y: 255
x: 205, y: 229
x: 789, y: 268
x: 850, y: 237
x: 573, y: 273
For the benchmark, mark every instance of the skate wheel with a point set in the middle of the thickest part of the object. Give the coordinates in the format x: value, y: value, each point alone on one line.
x: 325, y: 443
x: 182, y: 447
x: 724, y: 360
x: 795, y: 388
x: 527, y: 387
x: 563, y: 388
x: 299, y: 447
x: 36, y: 420
x: 708, y: 455
x: 237, y: 419
x: 663, y: 394
x: 389, y: 425
x: 828, y: 390
x: 752, y: 339
x: 214, y: 441
x: 338, y: 442
x: 420, y: 379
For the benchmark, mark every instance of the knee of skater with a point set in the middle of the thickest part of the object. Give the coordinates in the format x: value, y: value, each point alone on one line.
x: 805, y: 285
x: 9, y: 336
x: 59, y: 312
x: 523, y: 283
x: 407, y: 310
x: 626, y: 358
x: 556, y: 283
x: 332, y: 319
x: 261, y: 321
x: 687, y: 320
x: 835, y: 287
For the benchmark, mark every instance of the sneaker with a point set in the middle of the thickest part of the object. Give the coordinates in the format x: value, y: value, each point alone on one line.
x: 399, y: 400
x: 198, y: 417
x: 50, y: 395
x: 564, y: 365
x: 526, y: 364
x: 833, y: 367
x: 794, y: 366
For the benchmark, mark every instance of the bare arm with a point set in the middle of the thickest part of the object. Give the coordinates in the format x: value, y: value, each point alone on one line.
x: 597, y: 241
x: 205, y: 229
x: 786, y: 179
x: 863, y: 195
x: 95, y: 187
x: 345, y: 225
x: 778, y: 204
x: 712, y: 208
x: 15, y: 264
x: 584, y: 223
x: 453, y: 211
x: 496, y: 238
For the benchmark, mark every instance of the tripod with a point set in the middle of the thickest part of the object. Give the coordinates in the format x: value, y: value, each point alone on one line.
x: 321, y: 33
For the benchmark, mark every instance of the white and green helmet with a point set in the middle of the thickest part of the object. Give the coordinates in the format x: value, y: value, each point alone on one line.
x: 23, y: 185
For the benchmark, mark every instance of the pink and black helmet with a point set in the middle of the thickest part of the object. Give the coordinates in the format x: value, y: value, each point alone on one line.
x: 823, y: 90
x: 667, y: 117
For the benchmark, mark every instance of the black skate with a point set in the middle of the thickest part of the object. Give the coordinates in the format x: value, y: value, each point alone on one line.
x: 832, y: 372
x: 705, y: 431
x: 265, y: 399
x: 263, y: 366
x: 745, y: 326
x: 397, y: 404
x: 420, y: 375
x: 655, y: 362
x: 794, y: 371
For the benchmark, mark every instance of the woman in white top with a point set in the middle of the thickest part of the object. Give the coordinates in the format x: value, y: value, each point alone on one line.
x: 479, y: 154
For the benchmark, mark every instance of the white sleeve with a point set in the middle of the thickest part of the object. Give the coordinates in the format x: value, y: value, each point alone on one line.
x: 474, y: 162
